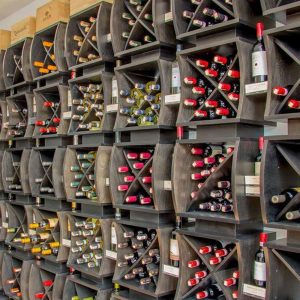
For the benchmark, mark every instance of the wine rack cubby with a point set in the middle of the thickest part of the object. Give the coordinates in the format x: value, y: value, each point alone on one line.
x: 4, y: 117
x: 217, y: 70
x: 45, y: 284
x: 15, y: 171
x: 2, y: 83
x: 18, y: 217
x: 51, y: 103
x: 50, y: 228
x: 144, y: 248
x: 137, y: 178
x: 195, y: 181
x: 143, y: 85
x: 20, y: 115
x: 88, y: 36
x: 47, y: 52
x: 280, y: 172
x: 91, y: 93
x: 15, y: 276
x: 283, y: 11
x: 46, y: 173
x: 84, y: 288
x: 16, y: 64
x: 137, y: 29
x: 3, y: 220
x: 90, y: 239
x: 200, y: 269
x: 283, y: 90
x: 200, y: 18
x: 85, y: 177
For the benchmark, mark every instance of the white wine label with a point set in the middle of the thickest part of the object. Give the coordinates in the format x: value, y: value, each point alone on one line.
x: 170, y: 270
x: 106, y: 181
x: 66, y: 243
x: 168, y: 16
x: 253, y: 290
x: 176, y: 77
x: 167, y: 185
x: 112, y: 108
x: 6, y: 213
x: 34, y: 105
x: 256, y: 88
x: 114, y: 86
x: 69, y: 99
x: 257, y: 168
x: 252, y: 190
x: 111, y: 254
x: 172, y: 99
x: 174, y: 250
x: 260, y: 271
x: 252, y: 180
x: 67, y: 115
x: 259, y: 63
x: 7, y: 112
x: 113, y: 235
x: 5, y: 225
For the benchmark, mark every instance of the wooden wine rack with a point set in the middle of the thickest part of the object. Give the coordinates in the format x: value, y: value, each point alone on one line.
x: 160, y: 31
x: 238, y: 13
x: 165, y: 285
x: 101, y: 48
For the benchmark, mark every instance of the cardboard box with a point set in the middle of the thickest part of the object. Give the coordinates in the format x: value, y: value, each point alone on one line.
x: 22, y: 29
x: 51, y: 13
x: 5, y: 36
x: 79, y: 5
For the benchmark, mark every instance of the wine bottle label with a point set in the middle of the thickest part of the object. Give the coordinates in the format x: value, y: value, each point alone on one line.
x: 257, y: 168
x: 175, y: 76
x: 174, y: 250
x: 115, y: 92
x: 260, y: 271
x: 259, y: 63
x: 113, y: 235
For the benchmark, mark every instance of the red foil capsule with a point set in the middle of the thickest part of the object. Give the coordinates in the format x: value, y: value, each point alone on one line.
x: 43, y: 130
x: 190, y: 102
x: 40, y: 123
x: 198, y: 164
x: 211, y: 103
x: 190, y: 80
x: 123, y: 187
x: 49, y: 104
x: 221, y: 252
x: 209, y: 160
x: 138, y: 165
x: 194, y: 194
x: 201, y: 274
x: 215, y: 260
x: 123, y: 169
x: 146, y: 200
x: 222, y: 111
x: 39, y: 295
x: 205, y: 173
x: 200, y: 185
x: 132, y: 155
x: 145, y: 155
x: 198, y: 90
x: 202, y: 63
x: 234, y: 74
x: 292, y: 103
x: 236, y: 274
x: 193, y: 281
x: 280, y: 91
x: 230, y: 281
x: 179, y: 132
x: 47, y: 282
x: 235, y: 295
x: 131, y: 199
x: 224, y: 87
x: 200, y: 113
x: 147, y: 179
x: 196, y: 176
x: 56, y: 120
x: 202, y: 295
x: 205, y: 249
x: 234, y: 96
x: 129, y: 178
x: 211, y: 73
x: 220, y: 59
x: 197, y: 151
x: 193, y: 263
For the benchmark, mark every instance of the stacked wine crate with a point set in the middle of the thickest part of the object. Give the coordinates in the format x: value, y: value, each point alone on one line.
x: 280, y: 173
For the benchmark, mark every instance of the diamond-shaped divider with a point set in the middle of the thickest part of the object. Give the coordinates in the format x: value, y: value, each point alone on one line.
x: 16, y: 64
x: 17, y: 270
x: 18, y: 217
x: 187, y: 27
x: 45, y: 283
x: 281, y: 45
x: 164, y: 284
x: 281, y: 172
x: 47, y: 51
x: 102, y: 230
x: 88, y: 36
x: 236, y: 50
x: 56, y: 234
x: 140, y: 28
x: 189, y: 250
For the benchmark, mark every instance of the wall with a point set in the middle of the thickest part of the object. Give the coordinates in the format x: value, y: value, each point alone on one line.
x: 28, y: 10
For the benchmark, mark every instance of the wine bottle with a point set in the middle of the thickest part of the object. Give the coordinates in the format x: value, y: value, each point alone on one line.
x: 174, y: 247
x: 285, y: 196
x: 176, y: 83
x: 259, y: 57
x: 260, y: 262
x: 213, y: 291
x: 292, y: 215
x: 259, y: 156
x: 293, y: 103
x: 281, y: 91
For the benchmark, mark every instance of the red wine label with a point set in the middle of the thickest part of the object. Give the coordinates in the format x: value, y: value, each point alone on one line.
x: 259, y: 63
x: 259, y: 271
